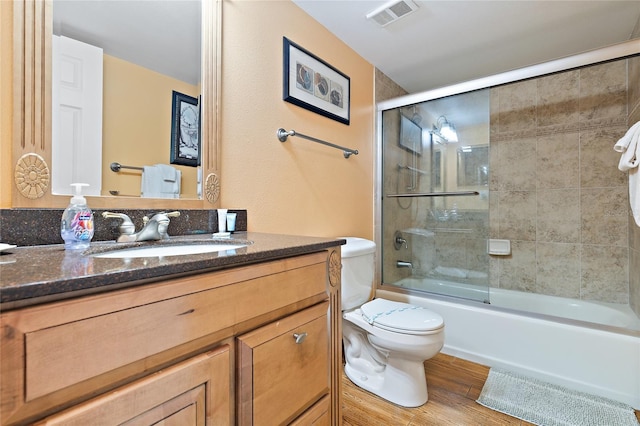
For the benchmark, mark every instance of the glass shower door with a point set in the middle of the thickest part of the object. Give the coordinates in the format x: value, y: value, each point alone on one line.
x: 435, y: 206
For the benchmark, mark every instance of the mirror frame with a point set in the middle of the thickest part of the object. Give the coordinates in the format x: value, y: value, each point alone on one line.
x: 32, y: 35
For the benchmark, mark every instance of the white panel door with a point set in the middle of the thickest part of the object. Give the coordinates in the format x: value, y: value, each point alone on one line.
x: 76, y: 116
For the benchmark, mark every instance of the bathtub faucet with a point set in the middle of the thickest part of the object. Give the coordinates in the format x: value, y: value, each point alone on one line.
x: 404, y: 264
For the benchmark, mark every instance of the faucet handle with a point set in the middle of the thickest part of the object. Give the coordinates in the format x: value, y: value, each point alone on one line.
x: 126, y: 227
x: 162, y: 219
x: 398, y: 241
x: 163, y: 216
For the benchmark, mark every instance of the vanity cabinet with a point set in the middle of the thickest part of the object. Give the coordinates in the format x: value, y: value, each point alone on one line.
x: 182, y: 348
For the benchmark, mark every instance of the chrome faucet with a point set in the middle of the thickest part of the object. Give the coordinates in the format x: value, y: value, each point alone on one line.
x: 404, y: 264
x: 153, y: 229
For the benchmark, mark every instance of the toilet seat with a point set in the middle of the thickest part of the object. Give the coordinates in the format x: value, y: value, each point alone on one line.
x: 401, y: 317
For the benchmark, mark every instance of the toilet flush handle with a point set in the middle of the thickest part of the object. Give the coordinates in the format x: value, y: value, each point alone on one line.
x: 299, y: 337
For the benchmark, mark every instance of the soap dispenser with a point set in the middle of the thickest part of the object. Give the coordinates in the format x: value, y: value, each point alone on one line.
x: 76, y: 227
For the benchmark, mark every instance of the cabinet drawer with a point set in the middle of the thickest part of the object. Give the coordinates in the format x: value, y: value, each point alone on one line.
x: 193, y: 392
x: 281, y: 376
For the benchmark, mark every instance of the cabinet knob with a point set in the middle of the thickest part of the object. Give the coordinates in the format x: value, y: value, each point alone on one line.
x: 299, y: 337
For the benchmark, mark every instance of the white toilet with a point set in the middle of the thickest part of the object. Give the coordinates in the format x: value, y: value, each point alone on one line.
x: 385, y: 342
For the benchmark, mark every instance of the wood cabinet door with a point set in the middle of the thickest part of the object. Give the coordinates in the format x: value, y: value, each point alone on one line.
x: 193, y: 392
x: 283, y: 368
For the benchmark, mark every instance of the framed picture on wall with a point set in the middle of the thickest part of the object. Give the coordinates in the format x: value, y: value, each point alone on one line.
x: 185, y: 130
x: 311, y: 83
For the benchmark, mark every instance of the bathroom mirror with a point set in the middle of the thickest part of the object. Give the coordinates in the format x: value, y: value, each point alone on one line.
x: 145, y: 50
x: 473, y: 165
x: 33, y: 69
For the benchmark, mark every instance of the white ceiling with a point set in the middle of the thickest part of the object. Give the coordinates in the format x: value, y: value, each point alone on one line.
x: 442, y: 43
x: 161, y: 35
x: 447, y: 42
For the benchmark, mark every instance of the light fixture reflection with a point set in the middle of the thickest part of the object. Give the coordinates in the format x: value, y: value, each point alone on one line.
x: 445, y: 130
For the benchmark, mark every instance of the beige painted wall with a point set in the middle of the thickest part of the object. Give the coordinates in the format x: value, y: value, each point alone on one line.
x: 295, y: 187
x: 137, y: 124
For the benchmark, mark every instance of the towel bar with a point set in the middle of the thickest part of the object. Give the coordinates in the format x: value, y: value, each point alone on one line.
x: 434, y: 194
x: 117, y: 166
x: 283, y: 134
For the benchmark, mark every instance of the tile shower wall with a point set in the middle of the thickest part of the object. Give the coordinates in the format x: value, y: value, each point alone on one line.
x: 634, y: 231
x: 395, y: 216
x: 555, y: 190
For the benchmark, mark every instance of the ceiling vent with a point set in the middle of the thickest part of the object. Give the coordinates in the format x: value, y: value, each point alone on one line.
x: 392, y: 11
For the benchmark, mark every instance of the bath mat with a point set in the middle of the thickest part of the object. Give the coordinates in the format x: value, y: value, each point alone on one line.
x: 546, y: 404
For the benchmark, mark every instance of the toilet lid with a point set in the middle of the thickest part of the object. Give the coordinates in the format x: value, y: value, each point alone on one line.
x: 400, y: 317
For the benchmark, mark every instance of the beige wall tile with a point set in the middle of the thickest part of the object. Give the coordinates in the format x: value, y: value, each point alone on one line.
x: 605, y: 273
x: 477, y: 258
x: 494, y: 215
x: 598, y: 160
x: 558, y: 99
x: 604, y: 216
x: 558, y: 161
x: 634, y: 83
x: 517, y: 215
x: 558, y: 216
x: 518, y: 271
x: 634, y: 235
x: 450, y: 249
x: 603, y: 92
x: 515, y: 163
x: 634, y: 280
x: 386, y: 88
x: 517, y: 107
x: 558, y: 270
x: 494, y: 113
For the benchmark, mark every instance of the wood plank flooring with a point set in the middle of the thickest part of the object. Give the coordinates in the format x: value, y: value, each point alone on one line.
x: 453, y: 384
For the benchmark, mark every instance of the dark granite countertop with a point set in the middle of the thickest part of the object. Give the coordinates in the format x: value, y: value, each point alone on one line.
x: 36, y: 274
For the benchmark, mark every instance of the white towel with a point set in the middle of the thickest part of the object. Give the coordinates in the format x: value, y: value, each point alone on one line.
x: 634, y: 193
x: 629, y: 146
x: 154, y: 184
x: 168, y: 173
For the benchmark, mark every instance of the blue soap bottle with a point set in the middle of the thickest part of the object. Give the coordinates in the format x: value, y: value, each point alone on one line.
x: 76, y: 226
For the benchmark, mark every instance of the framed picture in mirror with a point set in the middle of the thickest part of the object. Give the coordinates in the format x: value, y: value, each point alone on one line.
x: 185, y: 130
x: 410, y: 135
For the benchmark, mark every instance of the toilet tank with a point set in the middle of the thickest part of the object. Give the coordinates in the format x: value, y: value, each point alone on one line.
x: 358, y: 266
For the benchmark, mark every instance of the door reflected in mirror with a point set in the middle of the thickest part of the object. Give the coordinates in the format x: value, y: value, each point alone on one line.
x: 149, y: 50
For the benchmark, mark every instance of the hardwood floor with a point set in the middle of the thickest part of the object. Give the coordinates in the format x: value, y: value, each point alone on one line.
x: 454, y: 385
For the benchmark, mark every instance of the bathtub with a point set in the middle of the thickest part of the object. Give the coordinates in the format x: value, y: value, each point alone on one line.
x: 607, y: 314
x: 599, y: 359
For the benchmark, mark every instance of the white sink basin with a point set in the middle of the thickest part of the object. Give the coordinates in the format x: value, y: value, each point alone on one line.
x: 169, y: 250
